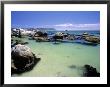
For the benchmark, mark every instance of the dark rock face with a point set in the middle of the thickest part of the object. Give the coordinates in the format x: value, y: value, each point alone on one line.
x: 90, y: 71
x: 22, y: 59
x: 57, y: 37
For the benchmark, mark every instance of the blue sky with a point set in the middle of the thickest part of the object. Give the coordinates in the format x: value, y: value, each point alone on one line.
x: 60, y: 20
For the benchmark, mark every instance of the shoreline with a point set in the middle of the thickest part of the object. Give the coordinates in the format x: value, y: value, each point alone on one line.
x: 61, y: 56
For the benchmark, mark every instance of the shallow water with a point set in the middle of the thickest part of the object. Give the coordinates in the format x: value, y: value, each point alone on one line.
x: 63, y: 59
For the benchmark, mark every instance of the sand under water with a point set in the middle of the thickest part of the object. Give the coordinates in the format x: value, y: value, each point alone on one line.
x: 62, y: 59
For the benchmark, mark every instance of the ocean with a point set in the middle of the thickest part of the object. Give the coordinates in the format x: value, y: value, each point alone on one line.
x: 63, y: 59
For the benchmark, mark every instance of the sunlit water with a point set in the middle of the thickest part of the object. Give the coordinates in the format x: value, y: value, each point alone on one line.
x: 56, y: 59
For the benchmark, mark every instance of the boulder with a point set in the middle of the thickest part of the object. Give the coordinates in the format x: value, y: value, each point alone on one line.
x: 22, y: 59
x: 85, y: 34
x: 40, y: 34
x: 90, y: 71
x: 57, y: 37
x: 92, y: 39
x: 71, y: 37
x: 59, y: 34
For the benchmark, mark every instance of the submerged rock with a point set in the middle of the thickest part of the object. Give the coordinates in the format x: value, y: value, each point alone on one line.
x: 22, y: 59
x: 72, y: 66
x: 15, y: 42
x: 41, y: 39
x: 90, y: 71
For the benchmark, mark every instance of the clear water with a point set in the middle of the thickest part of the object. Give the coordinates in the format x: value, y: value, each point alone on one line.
x: 56, y: 59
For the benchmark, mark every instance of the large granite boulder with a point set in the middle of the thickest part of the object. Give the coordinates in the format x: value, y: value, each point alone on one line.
x: 22, y: 59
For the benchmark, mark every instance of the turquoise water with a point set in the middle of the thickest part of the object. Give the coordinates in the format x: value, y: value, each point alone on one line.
x: 56, y: 59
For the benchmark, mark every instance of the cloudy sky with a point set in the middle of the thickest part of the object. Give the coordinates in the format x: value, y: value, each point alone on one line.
x: 60, y: 20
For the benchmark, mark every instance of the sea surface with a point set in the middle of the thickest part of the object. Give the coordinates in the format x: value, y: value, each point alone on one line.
x: 63, y: 59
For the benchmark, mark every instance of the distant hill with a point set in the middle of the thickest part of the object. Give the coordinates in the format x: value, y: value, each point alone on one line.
x: 46, y: 29
x: 41, y: 29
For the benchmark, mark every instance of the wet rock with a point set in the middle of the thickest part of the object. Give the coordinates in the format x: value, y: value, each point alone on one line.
x: 22, y: 59
x: 60, y: 36
x: 70, y: 37
x: 72, y: 66
x: 31, y: 38
x: 41, y: 39
x: 90, y: 71
x: 41, y: 36
x: 15, y: 42
x: 85, y: 34
x: 57, y: 38
x: 92, y: 39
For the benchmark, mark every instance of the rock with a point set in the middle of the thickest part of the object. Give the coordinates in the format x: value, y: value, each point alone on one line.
x: 71, y: 37
x: 59, y: 34
x: 22, y: 59
x: 41, y: 36
x: 21, y: 42
x: 19, y: 34
x: 90, y: 71
x: 31, y: 38
x: 72, y: 66
x: 57, y: 38
x: 15, y: 42
x: 92, y: 39
x: 85, y: 34
x: 41, y: 39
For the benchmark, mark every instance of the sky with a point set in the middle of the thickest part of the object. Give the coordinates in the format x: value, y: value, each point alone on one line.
x: 60, y: 20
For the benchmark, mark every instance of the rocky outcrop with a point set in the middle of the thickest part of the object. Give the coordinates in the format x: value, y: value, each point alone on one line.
x: 57, y: 38
x: 70, y: 37
x: 63, y: 36
x: 90, y: 71
x: 84, y: 35
x: 92, y: 39
x: 22, y: 59
x: 40, y: 36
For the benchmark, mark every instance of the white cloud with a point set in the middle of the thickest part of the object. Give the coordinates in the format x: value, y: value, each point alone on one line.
x: 77, y: 25
x: 63, y: 25
x: 70, y: 26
